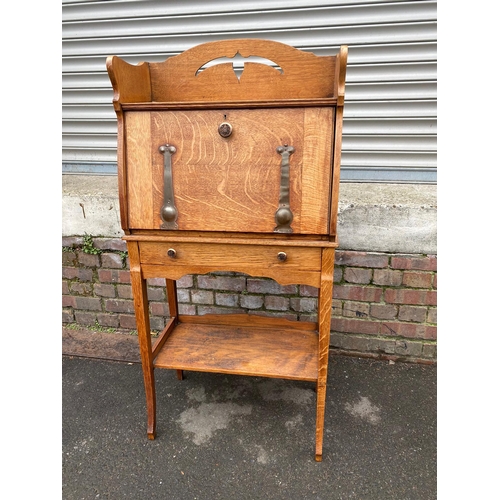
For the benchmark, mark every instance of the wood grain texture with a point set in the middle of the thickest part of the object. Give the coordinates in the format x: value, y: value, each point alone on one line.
x: 226, y: 192
x: 304, y: 75
x: 139, y: 170
x: 165, y: 333
x: 253, y: 351
x: 250, y: 320
x: 311, y: 278
x: 139, y: 291
x: 324, y: 320
x: 289, y: 240
x: 231, y: 184
x: 325, y: 309
x: 206, y: 105
x: 214, y: 255
x: 340, y: 74
x: 337, y: 153
x: 171, y: 287
x: 302, y: 264
x: 337, y: 137
x: 122, y: 168
x: 131, y: 83
x: 316, y: 183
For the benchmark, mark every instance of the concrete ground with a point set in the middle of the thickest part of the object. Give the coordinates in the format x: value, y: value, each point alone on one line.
x: 232, y: 437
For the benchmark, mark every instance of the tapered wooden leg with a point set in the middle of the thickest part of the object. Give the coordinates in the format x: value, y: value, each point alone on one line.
x: 324, y: 320
x: 172, y: 298
x: 139, y: 291
x: 173, y: 309
x: 320, y: 418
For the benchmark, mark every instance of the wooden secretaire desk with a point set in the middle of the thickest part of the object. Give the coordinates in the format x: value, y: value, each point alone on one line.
x: 220, y: 171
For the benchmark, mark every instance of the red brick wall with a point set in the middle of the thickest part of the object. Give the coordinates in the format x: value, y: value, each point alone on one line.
x: 384, y: 304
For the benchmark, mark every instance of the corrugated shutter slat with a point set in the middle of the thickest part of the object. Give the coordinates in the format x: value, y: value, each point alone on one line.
x: 391, y: 90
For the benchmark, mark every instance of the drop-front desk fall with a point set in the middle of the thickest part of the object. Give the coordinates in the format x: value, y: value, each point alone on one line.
x: 221, y: 171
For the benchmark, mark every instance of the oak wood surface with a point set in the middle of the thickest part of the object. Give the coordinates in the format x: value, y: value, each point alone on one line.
x: 239, y: 104
x: 324, y: 320
x: 250, y: 320
x: 274, y: 239
x: 301, y: 74
x: 311, y: 278
x: 139, y: 291
x: 227, y: 191
x: 171, y: 323
x: 337, y: 153
x: 131, y: 83
x: 139, y: 169
x: 301, y: 266
x: 243, y: 350
x: 340, y: 77
x: 305, y: 259
x: 231, y: 184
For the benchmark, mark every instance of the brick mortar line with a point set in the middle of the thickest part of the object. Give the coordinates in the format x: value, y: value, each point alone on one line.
x: 384, y: 357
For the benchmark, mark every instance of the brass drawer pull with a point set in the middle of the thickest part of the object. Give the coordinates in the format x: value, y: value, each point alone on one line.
x: 171, y: 253
x: 284, y: 215
x: 281, y: 256
x: 225, y: 129
x: 168, y: 211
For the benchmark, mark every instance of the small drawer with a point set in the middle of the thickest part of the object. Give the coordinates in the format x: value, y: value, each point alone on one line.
x: 230, y: 257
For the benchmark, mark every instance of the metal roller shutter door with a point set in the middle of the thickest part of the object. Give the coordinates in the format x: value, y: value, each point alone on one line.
x: 390, y: 116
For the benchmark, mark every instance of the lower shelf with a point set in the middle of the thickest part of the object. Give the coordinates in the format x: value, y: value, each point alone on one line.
x: 263, y: 349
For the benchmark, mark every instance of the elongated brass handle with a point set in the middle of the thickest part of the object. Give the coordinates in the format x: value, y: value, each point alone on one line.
x: 284, y: 215
x: 168, y: 211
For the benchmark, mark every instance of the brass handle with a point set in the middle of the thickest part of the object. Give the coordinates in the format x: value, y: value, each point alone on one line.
x: 168, y: 211
x: 284, y: 216
x: 171, y: 253
x: 281, y: 256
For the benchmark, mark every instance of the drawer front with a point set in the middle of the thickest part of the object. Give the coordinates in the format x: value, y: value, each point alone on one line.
x: 242, y: 258
x: 231, y: 183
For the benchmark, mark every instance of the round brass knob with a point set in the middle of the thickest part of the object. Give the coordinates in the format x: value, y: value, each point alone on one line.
x: 283, y: 216
x: 168, y: 213
x: 225, y: 129
x: 171, y: 253
x: 282, y: 256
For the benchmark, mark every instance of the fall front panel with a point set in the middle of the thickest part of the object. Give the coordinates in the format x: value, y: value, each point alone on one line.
x: 230, y: 183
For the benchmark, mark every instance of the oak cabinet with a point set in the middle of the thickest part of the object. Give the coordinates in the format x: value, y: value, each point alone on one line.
x: 220, y: 171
